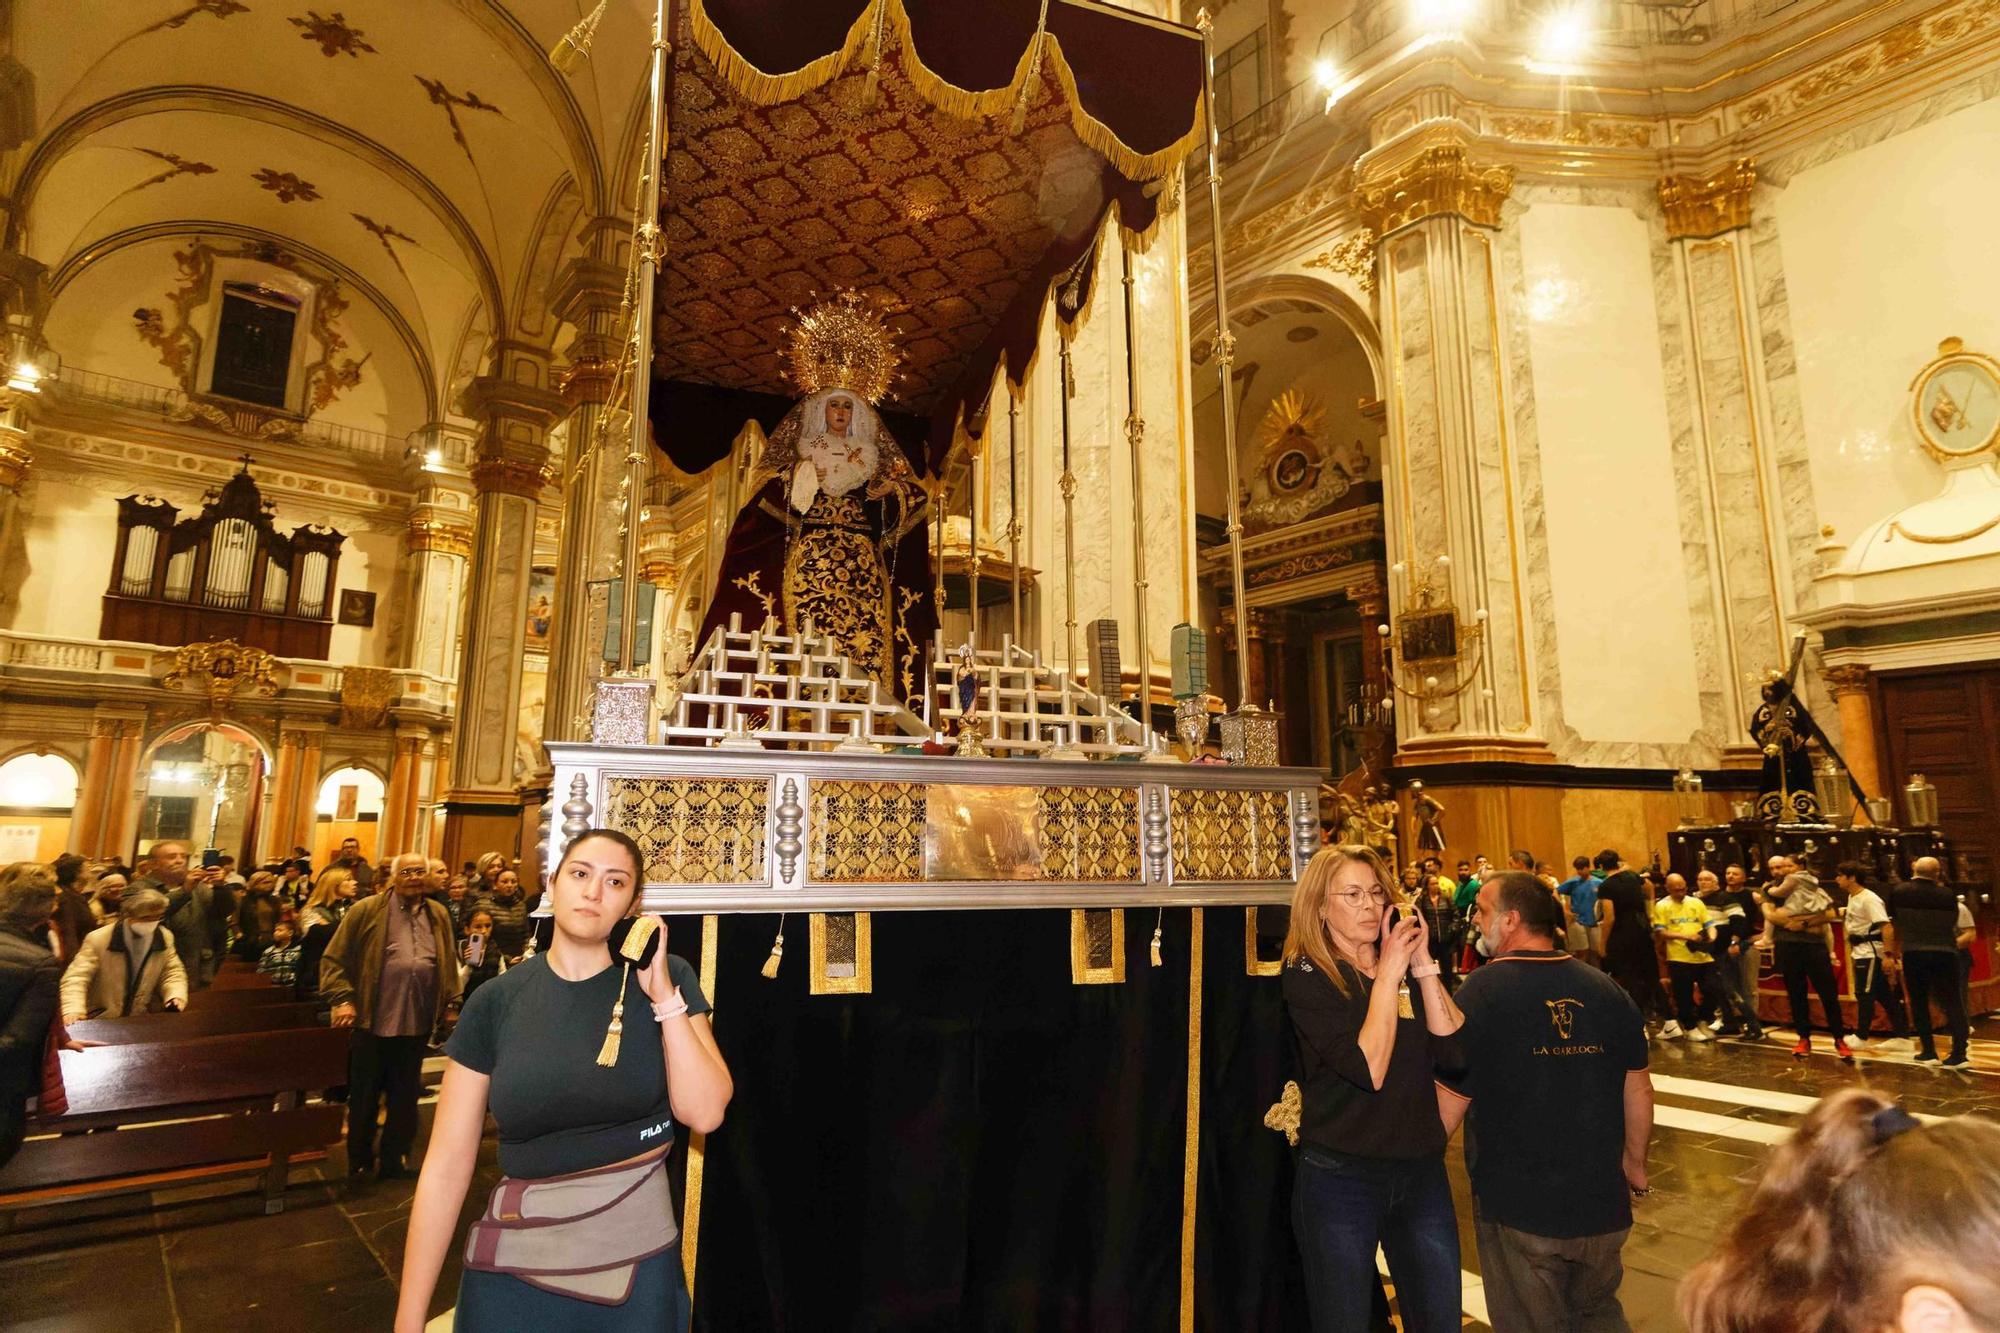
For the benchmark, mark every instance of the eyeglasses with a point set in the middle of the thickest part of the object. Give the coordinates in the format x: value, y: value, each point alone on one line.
x: 1359, y: 899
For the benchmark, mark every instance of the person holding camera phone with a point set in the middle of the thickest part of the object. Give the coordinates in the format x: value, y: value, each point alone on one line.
x: 580, y: 1232
x: 1374, y: 1025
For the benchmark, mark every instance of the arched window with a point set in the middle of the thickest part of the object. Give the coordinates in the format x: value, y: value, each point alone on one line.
x: 37, y: 796
x: 349, y: 806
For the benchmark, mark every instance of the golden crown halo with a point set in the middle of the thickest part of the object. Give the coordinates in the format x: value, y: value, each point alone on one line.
x: 842, y: 343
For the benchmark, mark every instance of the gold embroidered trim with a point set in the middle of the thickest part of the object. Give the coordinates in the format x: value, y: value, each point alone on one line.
x: 1191, y: 1161
x: 711, y: 930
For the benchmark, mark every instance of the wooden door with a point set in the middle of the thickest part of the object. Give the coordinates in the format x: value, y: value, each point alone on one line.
x: 1945, y: 724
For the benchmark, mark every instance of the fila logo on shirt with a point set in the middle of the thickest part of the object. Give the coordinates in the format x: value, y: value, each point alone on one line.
x: 656, y: 1130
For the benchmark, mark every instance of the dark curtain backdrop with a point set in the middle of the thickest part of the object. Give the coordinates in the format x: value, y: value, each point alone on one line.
x: 980, y: 1144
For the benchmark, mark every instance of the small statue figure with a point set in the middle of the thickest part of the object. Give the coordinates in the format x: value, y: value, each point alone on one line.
x: 1382, y: 821
x: 1430, y: 818
x: 965, y: 693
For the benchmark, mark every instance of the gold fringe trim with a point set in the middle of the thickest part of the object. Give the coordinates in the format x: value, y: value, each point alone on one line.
x: 771, y: 964
x: 766, y: 88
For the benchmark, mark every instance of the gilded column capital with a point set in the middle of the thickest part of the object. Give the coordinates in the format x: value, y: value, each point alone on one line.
x: 1845, y: 680
x: 511, y: 476
x: 587, y: 379
x: 14, y: 460
x: 1440, y: 179
x: 1697, y: 208
x: 430, y: 534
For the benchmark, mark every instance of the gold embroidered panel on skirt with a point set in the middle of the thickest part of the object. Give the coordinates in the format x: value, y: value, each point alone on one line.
x: 867, y: 832
x: 835, y: 579
x: 1218, y: 835
x: 1089, y: 833
x: 693, y: 830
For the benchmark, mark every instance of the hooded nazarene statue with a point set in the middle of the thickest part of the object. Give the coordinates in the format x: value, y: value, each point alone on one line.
x: 833, y: 530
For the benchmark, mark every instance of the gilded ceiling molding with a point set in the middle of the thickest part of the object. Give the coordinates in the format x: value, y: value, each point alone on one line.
x: 1354, y: 256
x: 1441, y: 180
x: 1528, y: 127
x: 1921, y: 39
x: 1697, y: 209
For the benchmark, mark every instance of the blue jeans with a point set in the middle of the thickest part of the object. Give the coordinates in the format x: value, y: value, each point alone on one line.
x: 1344, y: 1206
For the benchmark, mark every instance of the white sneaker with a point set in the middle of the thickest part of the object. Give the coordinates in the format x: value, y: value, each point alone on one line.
x: 1700, y: 1033
x: 1671, y: 1029
x: 1716, y: 1024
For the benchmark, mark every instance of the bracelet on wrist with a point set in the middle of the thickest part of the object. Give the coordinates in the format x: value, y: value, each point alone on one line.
x: 1430, y: 970
x: 672, y: 1007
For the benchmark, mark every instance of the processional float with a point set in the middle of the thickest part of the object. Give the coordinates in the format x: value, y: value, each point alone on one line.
x: 864, y: 209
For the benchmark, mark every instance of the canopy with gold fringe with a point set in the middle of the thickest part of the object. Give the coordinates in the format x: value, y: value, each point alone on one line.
x: 953, y: 161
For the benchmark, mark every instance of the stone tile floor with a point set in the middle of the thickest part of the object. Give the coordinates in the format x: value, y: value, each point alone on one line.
x: 206, y: 1257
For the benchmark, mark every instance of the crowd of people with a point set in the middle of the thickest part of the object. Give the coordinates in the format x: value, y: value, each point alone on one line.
x: 1521, y: 1009
x: 121, y: 940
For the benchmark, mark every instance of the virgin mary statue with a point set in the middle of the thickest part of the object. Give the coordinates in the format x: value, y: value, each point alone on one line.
x: 833, y: 530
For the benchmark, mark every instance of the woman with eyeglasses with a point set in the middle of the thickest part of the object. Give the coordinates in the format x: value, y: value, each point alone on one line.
x: 1374, y: 1025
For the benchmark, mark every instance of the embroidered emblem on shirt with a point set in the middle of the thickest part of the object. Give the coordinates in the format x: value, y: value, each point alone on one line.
x: 1562, y: 1016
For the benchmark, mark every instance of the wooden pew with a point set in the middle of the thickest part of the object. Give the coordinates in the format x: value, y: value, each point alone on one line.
x: 239, y: 997
x: 232, y: 1103
x: 212, y: 1021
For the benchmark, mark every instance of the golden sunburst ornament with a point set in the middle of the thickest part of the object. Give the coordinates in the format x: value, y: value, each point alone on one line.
x: 1290, y: 410
x: 842, y: 343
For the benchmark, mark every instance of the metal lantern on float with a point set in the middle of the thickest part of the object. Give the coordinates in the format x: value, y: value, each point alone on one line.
x: 1688, y: 798
x: 1830, y: 786
x: 1920, y: 802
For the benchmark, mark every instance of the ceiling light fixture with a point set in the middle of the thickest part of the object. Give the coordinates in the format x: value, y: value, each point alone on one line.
x: 1326, y: 74
x: 1563, y: 36
x: 26, y: 378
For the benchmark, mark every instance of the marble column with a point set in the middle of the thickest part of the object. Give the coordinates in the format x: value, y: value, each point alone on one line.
x: 1707, y: 225
x: 126, y: 788
x: 588, y: 297
x: 439, y: 544
x: 1853, y: 696
x: 305, y: 790
x: 399, y: 802
x: 284, y: 787
x: 105, y: 786
x: 515, y: 407
x: 1450, y: 489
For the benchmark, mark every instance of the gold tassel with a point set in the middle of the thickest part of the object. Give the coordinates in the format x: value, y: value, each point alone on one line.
x: 1159, y: 924
x: 871, y: 89
x: 777, y: 953
x: 607, y: 1054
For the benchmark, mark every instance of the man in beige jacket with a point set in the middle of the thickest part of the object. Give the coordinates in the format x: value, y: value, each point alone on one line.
x: 103, y: 981
x: 389, y: 972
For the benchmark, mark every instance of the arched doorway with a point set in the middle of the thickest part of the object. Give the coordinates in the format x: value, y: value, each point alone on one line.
x: 1310, y: 442
x: 203, y: 785
x: 349, y: 805
x: 37, y: 801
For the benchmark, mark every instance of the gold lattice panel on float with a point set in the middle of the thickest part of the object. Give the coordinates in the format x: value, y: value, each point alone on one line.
x: 1089, y: 833
x: 1230, y: 835
x: 867, y: 832
x: 693, y: 830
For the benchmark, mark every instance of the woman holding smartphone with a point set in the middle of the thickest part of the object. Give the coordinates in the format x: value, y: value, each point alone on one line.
x: 580, y: 1234
x: 1374, y: 1025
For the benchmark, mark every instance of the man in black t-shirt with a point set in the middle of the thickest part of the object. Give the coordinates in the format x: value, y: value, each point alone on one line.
x: 1548, y: 1042
x: 1922, y: 940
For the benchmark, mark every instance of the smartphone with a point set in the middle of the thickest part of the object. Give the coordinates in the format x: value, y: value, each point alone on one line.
x: 211, y: 858
x: 1395, y: 919
x: 475, y: 950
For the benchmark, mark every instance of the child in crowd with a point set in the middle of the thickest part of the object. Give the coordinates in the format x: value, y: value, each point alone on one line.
x: 280, y: 962
x: 481, y: 961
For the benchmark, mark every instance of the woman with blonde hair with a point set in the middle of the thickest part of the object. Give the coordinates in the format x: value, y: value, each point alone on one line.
x: 1867, y: 1220
x: 330, y: 893
x: 1373, y: 1025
